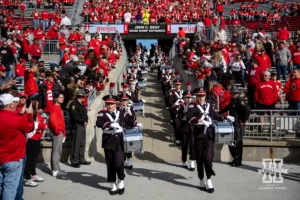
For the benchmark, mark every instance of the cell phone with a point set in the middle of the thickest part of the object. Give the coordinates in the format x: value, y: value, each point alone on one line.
x: 28, y: 102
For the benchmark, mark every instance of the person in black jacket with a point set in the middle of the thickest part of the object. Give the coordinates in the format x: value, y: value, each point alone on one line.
x: 8, y: 59
x: 79, y: 120
x: 239, y: 113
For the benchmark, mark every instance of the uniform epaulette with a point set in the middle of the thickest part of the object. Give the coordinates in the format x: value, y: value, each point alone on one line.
x: 102, y: 111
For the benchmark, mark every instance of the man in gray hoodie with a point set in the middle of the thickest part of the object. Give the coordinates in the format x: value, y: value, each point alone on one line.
x: 283, y: 57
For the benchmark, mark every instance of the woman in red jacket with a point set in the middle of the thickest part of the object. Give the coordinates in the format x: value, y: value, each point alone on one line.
x: 33, y: 148
x: 222, y: 95
x: 57, y: 127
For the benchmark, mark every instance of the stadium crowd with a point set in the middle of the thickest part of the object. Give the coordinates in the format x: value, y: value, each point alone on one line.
x: 217, y: 62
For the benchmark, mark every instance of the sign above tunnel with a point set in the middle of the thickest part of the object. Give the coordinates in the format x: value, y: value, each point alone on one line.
x: 146, y: 29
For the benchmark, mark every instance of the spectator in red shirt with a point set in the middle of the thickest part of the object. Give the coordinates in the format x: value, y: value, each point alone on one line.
x: 45, y: 19
x: 20, y: 69
x: 57, y: 126
x: 36, y: 22
x: 30, y: 84
x: 253, y: 79
x: 33, y: 148
x: 263, y: 60
x: 13, y: 128
x: 294, y: 91
x: 22, y: 8
x: 296, y: 57
x: 284, y: 34
x: 35, y: 50
x: 62, y: 45
x: 266, y: 95
x: 181, y: 32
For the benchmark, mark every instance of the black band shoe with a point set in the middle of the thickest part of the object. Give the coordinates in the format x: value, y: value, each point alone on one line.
x: 85, y: 163
x: 113, y: 192
x: 121, y: 191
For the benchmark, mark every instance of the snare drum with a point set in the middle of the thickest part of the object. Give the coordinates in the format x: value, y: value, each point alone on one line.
x: 133, y: 140
x: 224, y: 132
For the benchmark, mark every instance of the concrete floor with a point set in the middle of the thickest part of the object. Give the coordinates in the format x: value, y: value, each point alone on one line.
x: 151, y: 180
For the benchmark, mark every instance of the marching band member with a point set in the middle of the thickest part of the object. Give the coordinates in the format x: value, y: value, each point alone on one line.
x: 175, y: 99
x: 200, y: 116
x: 165, y: 84
x: 186, y: 134
x: 128, y: 119
x: 239, y: 114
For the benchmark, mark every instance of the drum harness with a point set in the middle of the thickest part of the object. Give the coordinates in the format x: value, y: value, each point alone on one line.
x: 205, y: 115
x: 115, y: 130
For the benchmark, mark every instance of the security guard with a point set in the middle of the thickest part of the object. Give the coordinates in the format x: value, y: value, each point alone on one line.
x: 200, y: 116
x: 112, y: 142
x: 79, y: 120
x: 239, y: 113
x: 187, y: 141
x: 128, y: 121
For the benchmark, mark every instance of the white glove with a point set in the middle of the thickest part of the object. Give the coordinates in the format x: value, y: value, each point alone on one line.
x: 230, y: 118
x: 143, y: 100
x: 114, y: 125
x: 64, y: 139
x: 205, y: 123
x: 128, y: 111
x: 140, y: 125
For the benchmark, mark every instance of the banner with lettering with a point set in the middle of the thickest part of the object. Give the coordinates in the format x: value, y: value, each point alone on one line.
x: 106, y: 28
x: 188, y: 28
x: 146, y: 29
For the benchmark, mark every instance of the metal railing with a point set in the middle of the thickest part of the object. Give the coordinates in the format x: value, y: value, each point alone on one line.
x: 277, y: 124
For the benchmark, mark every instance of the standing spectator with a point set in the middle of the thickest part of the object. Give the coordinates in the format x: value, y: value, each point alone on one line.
x: 22, y: 8
x: 294, y: 91
x: 57, y: 126
x: 45, y: 18
x: 13, y: 145
x: 62, y: 45
x: 237, y: 68
x: 79, y: 119
x: 30, y: 85
x: 221, y: 35
x: 207, y: 22
x: 266, y: 95
x: 46, y: 93
x: 283, y: 34
x: 296, y: 57
x: 36, y: 22
x: 8, y: 59
x: 283, y: 57
x: 41, y: 78
x: 253, y: 79
x: 66, y: 21
x: 127, y: 17
x: 20, y: 69
x: 35, y: 50
x: 33, y: 148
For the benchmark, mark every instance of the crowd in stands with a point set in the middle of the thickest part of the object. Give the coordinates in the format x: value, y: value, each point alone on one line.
x: 250, y: 11
x: 256, y: 62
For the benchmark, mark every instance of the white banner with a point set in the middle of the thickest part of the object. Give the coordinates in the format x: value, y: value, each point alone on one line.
x: 106, y: 28
x: 188, y: 28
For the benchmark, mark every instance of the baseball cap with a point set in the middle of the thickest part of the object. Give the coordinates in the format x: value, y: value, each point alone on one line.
x: 55, y: 69
x: 22, y: 94
x: 2, y: 68
x: 75, y: 59
x: 7, y: 99
x: 81, y: 92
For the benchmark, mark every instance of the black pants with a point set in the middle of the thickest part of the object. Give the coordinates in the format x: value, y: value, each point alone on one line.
x: 237, y: 150
x: 115, y: 164
x: 238, y: 77
x: 128, y: 155
x: 78, y: 144
x: 251, y: 91
x: 36, y: 58
x: 176, y: 126
x: 204, y: 151
x: 33, y: 148
x: 186, y: 143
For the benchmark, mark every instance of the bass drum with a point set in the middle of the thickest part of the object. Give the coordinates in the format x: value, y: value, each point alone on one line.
x: 224, y: 132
